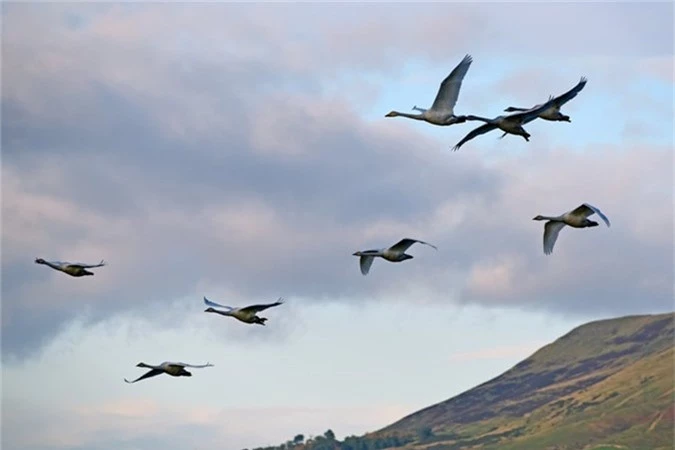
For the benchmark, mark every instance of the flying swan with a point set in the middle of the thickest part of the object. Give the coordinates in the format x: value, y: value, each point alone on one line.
x: 510, y: 124
x: 246, y: 314
x: 553, y: 112
x: 175, y: 369
x: 442, y: 111
x: 72, y: 269
x: 395, y: 253
x: 577, y: 218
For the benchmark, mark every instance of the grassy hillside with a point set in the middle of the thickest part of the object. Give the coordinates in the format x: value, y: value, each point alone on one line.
x: 604, y: 385
x: 608, y: 382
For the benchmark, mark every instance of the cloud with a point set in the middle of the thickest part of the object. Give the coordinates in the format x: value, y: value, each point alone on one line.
x: 195, y: 166
x: 603, y: 264
x: 137, y: 423
x: 660, y: 67
x: 499, y: 352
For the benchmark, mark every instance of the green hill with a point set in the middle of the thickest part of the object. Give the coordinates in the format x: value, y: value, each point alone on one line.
x: 604, y: 385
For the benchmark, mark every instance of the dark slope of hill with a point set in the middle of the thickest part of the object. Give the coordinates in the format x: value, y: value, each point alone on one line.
x: 605, y: 385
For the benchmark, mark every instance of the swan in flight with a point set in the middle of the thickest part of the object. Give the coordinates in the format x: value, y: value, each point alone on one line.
x: 510, y: 123
x: 395, y: 253
x: 577, y: 218
x: 442, y: 111
x: 175, y: 369
x: 553, y: 113
x: 72, y: 269
x: 246, y: 314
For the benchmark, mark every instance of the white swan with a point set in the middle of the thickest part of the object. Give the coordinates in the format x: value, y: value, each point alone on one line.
x: 72, y: 269
x: 442, y: 111
x: 175, y: 369
x: 395, y: 253
x: 553, y: 113
x: 577, y: 218
x: 245, y: 314
x: 510, y: 124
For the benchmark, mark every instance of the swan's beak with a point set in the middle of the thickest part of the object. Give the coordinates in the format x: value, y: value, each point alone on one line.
x: 391, y: 114
x: 355, y: 254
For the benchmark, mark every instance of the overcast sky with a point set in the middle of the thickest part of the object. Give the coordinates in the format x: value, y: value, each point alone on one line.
x: 241, y: 152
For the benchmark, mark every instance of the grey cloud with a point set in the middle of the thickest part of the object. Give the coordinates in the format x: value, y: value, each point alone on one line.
x: 387, y: 35
x: 342, y: 183
x: 186, y: 172
x: 299, y: 39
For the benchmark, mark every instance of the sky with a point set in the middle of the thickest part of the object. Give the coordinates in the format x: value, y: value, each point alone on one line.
x: 240, y: 152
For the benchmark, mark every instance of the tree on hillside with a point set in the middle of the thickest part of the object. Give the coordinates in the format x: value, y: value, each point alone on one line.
x: 299, y: 439
x: 425, y: 433
x: 329, y: 435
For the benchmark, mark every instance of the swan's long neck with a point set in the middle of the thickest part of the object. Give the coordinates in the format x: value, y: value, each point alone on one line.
x: 410, y: 116
x: 553, y: 218
x: 52, y: 265
x: 482, y: 119
x: 148, y: 366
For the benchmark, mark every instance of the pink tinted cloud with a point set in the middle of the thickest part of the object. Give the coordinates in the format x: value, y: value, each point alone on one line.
x: 501, y: 276
x: 608, y: 177
x: 136, y: 418
x: 661, y: 67
x: 132, y: 408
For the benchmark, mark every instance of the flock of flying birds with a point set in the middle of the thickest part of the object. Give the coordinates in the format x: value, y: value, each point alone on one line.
x: 441, y: 113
